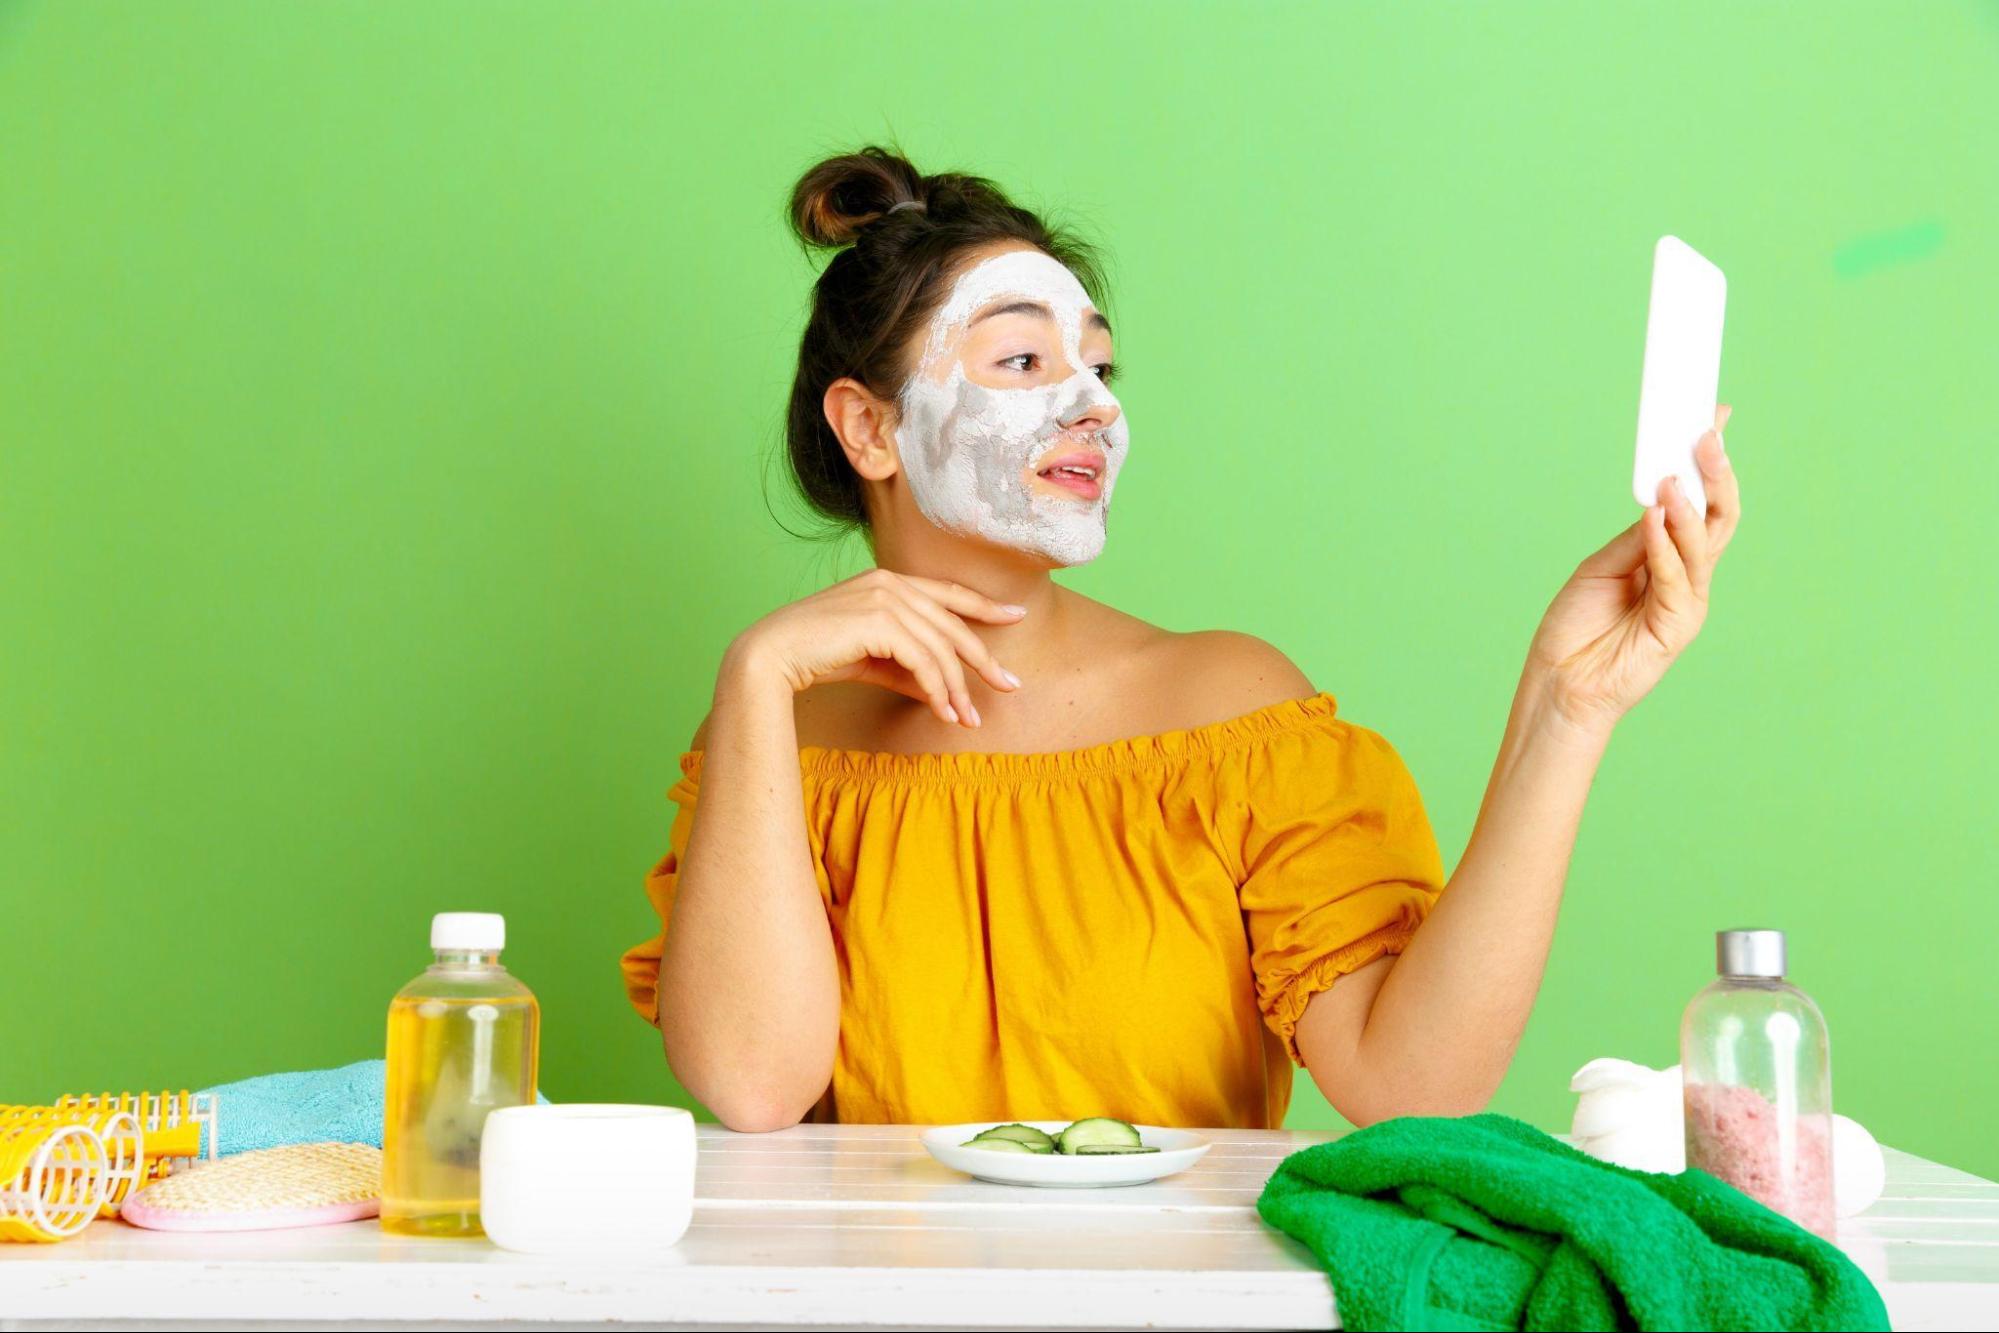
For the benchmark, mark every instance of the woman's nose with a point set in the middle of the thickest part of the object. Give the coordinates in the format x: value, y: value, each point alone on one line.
x: 1095, y: 412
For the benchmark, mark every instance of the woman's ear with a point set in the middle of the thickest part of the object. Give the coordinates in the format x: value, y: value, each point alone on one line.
x: 864, y: 423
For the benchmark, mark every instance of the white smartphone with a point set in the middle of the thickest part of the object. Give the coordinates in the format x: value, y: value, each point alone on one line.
x: 1676, y: 398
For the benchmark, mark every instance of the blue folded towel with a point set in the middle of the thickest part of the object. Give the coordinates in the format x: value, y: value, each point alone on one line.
x: 341, y: 1105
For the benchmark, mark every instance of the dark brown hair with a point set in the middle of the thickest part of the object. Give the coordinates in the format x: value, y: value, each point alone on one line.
x: 883, y: 285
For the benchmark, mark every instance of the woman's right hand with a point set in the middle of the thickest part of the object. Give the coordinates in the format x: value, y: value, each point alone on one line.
x: 898, y: 631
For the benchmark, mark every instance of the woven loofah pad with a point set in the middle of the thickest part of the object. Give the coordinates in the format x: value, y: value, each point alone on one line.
x: 303, y: 1184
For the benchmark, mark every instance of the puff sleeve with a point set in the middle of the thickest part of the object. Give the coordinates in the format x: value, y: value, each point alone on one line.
x: 1339, y: 862
x: 641, y: 962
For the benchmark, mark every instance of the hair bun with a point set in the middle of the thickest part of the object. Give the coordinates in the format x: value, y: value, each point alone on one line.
x: 839, y: 197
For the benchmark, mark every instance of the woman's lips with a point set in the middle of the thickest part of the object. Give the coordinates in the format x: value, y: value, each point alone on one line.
x: 1079, y: 472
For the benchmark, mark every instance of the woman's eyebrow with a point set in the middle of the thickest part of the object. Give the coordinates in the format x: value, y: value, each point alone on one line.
x: 1037, y: 309
x: 1012, y: 308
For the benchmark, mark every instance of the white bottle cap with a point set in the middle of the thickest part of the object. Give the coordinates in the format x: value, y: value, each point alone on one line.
x: 469, y: 932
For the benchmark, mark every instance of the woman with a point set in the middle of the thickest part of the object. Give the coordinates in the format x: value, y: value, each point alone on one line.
x: 972, y: 846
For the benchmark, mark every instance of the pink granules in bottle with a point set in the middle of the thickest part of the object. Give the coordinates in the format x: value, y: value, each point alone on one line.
x: 1781, y: 1161
x: 1758, y: 1069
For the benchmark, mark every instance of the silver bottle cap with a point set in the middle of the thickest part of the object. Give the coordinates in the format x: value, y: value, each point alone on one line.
x: 1749, y: 953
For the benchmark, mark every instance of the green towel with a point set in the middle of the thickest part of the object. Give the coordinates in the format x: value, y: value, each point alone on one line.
x: 1487, y: 1223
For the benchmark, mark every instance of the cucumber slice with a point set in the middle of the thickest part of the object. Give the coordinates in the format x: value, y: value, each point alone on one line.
x: 1034, y: 1138
x: 1100, y: 1129
x: 1110, y: 1149
x: 998, y: 1145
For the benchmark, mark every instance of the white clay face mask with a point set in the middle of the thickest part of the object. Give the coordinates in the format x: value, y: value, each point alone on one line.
x: 976, y: 456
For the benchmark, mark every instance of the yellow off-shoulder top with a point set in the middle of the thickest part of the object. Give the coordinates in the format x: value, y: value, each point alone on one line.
x: 1130, y: 929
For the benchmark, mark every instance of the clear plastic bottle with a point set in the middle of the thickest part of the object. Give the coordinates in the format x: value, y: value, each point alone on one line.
x: 462, y: 1044
x: 1758, y: 1075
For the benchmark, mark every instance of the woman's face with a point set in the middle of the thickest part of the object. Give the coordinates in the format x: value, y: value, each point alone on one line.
x: 1007, y: 430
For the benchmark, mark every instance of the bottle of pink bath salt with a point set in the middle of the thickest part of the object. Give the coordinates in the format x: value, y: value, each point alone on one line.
x: 1758, y: 1074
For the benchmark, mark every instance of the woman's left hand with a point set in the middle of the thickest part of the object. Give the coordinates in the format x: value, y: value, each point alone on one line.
x: 1630, y: 608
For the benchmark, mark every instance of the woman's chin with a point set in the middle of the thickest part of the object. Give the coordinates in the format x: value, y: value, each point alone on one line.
x: 1063, y: 548
x: 1046, y: 546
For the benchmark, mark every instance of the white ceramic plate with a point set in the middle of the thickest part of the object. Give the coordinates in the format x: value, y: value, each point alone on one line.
x: 1178, y: 1150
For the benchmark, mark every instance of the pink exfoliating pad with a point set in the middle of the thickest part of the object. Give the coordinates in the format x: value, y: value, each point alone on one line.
x: 166, y: 1219
x: 298, y: 1185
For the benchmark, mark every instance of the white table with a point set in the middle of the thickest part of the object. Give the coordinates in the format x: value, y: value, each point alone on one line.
x: 855, y: 1225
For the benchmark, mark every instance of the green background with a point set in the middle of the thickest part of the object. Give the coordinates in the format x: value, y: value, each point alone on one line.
x: 388, y: 397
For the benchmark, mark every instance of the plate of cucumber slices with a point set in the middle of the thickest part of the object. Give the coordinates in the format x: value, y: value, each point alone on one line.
x: 1076, y: 1154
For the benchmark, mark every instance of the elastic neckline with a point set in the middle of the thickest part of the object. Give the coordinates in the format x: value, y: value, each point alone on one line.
x: 1107, y: 756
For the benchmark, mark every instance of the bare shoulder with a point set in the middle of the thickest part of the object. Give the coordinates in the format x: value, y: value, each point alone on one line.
x: 847, y: 715
x: 839, y: 716
x: 1169, y: 679
x: 1227, y: 674
x: 1178, y: 680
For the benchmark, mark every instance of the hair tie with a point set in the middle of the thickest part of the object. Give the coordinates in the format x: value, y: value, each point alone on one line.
x: 906, y: 203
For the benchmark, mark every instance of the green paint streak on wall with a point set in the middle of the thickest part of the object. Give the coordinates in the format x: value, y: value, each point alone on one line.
x: 385, y: 393
x: 1865, y: 254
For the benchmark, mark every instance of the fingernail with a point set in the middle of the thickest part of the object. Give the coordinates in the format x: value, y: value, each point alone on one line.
x: 950, y: 713
x: 1009, y: 678
x: 1012, y: 610
x: 972, y: 713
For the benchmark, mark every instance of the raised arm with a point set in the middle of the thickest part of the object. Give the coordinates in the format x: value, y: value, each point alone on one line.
x: 749, y: 1002
x: 749, y: 994
x: 1432, y: 1032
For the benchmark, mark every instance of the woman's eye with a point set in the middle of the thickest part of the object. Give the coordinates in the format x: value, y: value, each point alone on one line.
x: 1022, y: 363
x: 1104, y: 371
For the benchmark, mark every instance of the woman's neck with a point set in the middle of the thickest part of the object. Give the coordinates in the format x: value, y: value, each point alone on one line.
x: 1007, y: 577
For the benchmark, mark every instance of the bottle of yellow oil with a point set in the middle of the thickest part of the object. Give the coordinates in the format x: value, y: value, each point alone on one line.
x: 462, y: 1044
